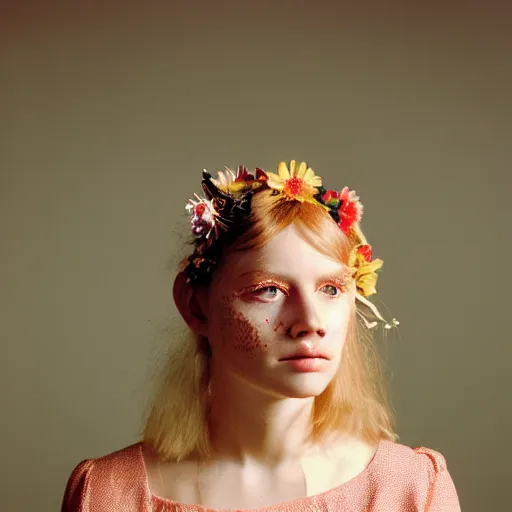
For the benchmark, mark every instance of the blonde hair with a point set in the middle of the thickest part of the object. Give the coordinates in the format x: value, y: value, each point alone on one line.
x: 355, y: 402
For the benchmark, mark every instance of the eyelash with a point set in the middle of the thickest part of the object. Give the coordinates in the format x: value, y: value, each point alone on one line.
x: 258, y: 289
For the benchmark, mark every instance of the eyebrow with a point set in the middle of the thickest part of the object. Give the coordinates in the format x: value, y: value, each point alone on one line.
x: 342, y: 276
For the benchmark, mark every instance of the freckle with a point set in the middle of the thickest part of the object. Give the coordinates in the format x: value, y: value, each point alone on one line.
x: 245, y: 336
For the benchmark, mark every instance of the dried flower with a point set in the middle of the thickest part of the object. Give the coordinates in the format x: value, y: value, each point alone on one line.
x: 240, y: 182
x: 203, y: 217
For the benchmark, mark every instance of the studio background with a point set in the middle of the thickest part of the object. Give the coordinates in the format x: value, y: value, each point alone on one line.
x: 110, y: 111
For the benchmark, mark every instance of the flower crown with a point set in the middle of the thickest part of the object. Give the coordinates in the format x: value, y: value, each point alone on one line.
x: 227, y: 202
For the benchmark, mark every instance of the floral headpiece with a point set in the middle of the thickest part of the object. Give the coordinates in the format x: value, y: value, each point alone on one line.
x: 227, y: 202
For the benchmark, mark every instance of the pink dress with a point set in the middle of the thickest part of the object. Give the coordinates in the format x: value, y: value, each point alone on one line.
x: 398, y: 479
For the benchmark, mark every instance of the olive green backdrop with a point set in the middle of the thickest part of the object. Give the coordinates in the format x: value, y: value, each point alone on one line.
x: 109, y: 112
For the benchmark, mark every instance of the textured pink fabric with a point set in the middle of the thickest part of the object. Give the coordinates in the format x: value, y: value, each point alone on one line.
x: 398, y: 479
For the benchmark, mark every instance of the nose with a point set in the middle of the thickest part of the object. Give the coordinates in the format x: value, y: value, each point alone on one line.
x: 303, y: 330
x: 304, y: 320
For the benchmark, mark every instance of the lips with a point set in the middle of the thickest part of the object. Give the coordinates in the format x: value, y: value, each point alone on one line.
x: 293, y: 358
x: 305, y: 353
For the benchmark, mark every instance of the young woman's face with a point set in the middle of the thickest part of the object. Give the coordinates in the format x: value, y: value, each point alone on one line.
x: 278, y: 316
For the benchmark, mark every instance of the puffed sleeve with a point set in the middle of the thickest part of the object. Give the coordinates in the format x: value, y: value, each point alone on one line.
x: 75, y: 495
x: 442, y: 495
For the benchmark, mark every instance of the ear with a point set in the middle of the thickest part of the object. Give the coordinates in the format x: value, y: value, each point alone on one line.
x: 191, y: 304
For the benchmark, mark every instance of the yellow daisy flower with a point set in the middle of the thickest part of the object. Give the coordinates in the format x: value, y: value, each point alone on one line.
x: 299, y: 182
x: 366, y: 275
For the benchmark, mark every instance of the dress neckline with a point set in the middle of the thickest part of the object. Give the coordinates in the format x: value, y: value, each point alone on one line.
x: 285, y: 505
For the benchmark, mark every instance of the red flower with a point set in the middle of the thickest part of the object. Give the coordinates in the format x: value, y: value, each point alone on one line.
x: 242, y: 174
x: 261, y: 175
x: 350, y: 209
x: 330, y: 194
x: 365, y: 251
x: 199, y: 209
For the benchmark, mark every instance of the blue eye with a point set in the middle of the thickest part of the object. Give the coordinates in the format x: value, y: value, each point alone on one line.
x: 333, y: 291
x: 269, y: 291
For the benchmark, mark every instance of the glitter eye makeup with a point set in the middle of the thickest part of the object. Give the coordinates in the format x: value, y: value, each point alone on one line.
x: 268, y: 285
x: 261, y: 284
x: 264, y: 284
x: 341, y: 282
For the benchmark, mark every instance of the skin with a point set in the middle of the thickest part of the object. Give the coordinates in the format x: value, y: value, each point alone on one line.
x: 265, y: 304
x: 262, y: 306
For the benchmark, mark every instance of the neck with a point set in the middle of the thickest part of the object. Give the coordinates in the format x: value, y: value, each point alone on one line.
x: 247, y: 424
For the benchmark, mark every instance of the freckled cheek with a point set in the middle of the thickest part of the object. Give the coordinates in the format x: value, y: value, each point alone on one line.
x: 239, y: 334
x: 247, y: 338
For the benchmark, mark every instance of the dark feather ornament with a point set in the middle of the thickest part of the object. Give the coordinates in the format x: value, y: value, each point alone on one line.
x: 229, y: 209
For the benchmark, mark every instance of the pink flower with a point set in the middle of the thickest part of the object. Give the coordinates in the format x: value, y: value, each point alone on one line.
x: 350, y: 210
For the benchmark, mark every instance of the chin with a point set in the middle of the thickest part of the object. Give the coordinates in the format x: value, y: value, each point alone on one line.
x: 304, y: 386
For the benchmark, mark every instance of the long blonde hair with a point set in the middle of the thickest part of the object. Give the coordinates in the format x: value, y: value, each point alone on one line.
x: 355, y: 402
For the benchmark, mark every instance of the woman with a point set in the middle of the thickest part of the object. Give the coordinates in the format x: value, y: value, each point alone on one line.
x: 277, y: 402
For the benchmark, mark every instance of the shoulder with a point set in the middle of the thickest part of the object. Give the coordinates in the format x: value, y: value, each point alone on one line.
x: 126, y: 461
x: 117, y: 478
x: 420, y: 473
x: 418, y: 461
